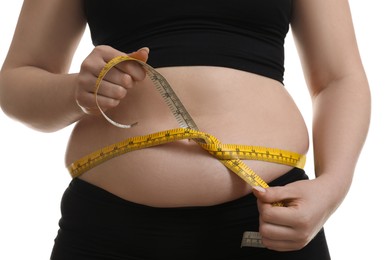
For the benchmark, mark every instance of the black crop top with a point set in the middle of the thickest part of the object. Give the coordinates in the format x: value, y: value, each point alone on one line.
x: 242, y: 34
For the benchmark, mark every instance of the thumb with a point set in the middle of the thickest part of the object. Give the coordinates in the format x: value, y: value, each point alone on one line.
x: 142, y: 54
x: 269, y: 195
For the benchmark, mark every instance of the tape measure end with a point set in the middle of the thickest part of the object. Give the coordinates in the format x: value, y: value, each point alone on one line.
x: 133, y: 124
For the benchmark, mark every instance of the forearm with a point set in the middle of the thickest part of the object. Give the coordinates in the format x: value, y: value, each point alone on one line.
x: 340, y: 125
x: 39, y: 99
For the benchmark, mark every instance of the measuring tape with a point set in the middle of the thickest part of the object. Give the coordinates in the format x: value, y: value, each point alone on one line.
x: 230, y: 155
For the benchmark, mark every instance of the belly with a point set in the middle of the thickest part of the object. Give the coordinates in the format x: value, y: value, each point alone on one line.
x: 236, y: 107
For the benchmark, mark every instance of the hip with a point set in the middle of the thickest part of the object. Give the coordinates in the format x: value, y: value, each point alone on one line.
x: 95, y: 224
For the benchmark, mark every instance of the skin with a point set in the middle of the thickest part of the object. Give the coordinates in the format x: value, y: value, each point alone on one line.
x: 36, y: 89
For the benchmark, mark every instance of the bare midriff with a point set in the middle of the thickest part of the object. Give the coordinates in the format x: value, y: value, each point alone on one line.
x: 236, y: 107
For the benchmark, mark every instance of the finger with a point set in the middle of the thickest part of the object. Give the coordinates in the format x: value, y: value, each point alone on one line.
x: 111, y: 86
x: 275, y: 231
x: 103, y: 54
x: 106, y: 103
x: 130, y: 68
x: 286, y: 215
x: 281, y: 238
x: 87, y: 103
x: 281, y: 216
x: 133, y: 69
x: 111, y: 90
x: 272, y: 194
x: 142, y: 54
x: 286, y: 195
x: 117, y: 74
x: 118, y: 77
x: 277, y: 237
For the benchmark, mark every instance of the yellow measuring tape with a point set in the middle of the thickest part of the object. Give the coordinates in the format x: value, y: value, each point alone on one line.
x: 230, y: 155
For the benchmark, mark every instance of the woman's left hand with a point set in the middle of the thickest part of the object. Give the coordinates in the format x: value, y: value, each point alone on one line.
x: 307, y: 207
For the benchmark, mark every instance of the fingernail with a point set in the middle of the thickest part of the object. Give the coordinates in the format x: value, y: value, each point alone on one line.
x: 144, y: 49
x: 258, y: 188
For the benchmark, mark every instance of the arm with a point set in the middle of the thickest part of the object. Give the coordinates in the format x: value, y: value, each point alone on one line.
x: 338, y: 86
x: 326, y: 43
x: 35, y: 87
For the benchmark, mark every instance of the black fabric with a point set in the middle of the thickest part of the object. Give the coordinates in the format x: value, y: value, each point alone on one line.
x: 96, y: 224
x: 246, y: 35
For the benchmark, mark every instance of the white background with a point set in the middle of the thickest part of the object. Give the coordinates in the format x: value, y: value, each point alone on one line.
x: 33, y: 175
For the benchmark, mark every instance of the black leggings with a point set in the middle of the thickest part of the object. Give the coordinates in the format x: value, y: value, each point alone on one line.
x: 96, y: 224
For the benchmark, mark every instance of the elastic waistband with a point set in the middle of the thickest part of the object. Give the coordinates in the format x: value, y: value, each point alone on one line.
x: 295, y: 174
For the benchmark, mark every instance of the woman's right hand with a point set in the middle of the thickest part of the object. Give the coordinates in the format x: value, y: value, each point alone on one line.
x: 115, y: 84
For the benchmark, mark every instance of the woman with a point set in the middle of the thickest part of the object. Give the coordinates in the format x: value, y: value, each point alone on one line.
x: 225, y: 62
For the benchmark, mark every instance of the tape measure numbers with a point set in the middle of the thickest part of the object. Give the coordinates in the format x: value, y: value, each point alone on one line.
x: 230, y: 155
x: 161, y: 84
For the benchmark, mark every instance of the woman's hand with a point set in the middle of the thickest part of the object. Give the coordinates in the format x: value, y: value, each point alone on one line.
x: 307, y: 207
x: 115, y: 84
